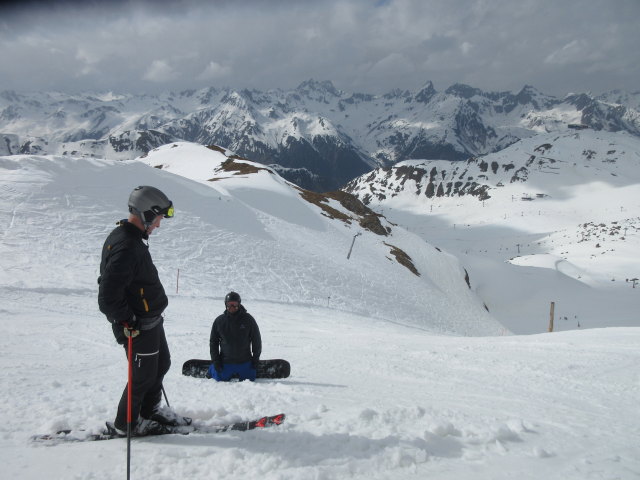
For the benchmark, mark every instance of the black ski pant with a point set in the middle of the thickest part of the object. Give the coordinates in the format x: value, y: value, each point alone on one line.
x: 151, y: 361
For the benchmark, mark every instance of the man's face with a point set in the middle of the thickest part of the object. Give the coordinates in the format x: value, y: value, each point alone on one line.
x: 232, y: 307
x: 155, y: 224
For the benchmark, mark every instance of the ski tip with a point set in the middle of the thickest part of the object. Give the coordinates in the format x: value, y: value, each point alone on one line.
x: 272, y: 420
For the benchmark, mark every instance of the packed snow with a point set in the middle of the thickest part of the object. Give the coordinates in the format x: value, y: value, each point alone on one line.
x: 394, y: 375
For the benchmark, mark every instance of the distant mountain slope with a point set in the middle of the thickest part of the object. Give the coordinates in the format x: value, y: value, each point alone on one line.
x: 315, y: 135
x: 552, y: 218
x: 544, y: 165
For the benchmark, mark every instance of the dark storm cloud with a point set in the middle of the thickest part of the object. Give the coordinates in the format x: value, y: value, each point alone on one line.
x: 150, y: 46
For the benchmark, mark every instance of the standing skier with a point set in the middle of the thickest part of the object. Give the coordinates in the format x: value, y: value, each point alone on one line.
x: 235, y: 342
x: 133, y: 299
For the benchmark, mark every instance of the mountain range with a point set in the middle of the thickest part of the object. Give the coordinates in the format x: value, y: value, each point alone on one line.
x: 315, y: 135
x: 546, y: 162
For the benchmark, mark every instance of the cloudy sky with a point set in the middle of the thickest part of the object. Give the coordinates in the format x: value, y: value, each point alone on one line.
x: 371, y: 46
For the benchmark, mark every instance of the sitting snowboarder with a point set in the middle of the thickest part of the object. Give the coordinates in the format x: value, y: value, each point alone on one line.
x: 235, y: 343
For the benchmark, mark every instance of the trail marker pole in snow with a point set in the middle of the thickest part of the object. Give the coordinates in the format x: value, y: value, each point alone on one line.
x: 129, y: 405
x: 553, y: 306
x: 352, y: 242
x: 177, y: 280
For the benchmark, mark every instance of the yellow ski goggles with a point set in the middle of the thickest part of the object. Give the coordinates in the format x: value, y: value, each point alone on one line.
x: 169, y: 212
x: 166, y: 212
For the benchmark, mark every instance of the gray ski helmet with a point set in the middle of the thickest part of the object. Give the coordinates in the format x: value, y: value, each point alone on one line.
x: 232, y: 297
x: 148, y: 202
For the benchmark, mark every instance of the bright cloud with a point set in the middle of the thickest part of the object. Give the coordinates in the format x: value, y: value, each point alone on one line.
x: 214, y: 71
x: 160, y: 71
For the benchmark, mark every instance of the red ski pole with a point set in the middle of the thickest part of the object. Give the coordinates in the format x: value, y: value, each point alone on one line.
x: 129, y: 403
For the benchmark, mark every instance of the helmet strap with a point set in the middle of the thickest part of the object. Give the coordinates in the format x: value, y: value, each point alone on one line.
x: 141, y: 216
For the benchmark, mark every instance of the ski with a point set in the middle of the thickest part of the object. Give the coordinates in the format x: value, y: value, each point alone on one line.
x: 109, y: 433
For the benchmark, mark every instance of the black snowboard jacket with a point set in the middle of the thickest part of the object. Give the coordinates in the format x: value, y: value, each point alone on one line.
x: 129, y: 283
x: 235, y: 338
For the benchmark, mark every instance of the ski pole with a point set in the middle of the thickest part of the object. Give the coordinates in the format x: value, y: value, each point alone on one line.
x: 129, y: 405
x: 165, y: 396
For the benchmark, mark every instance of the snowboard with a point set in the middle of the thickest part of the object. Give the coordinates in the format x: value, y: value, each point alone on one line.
x: 109, y: 433
x: 274, y: 368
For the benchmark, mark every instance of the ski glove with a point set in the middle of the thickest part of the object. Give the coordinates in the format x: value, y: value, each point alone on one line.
x: 132, y: 327
x: 255, y: 362
x: 218, y: 366
x: 130, y: 332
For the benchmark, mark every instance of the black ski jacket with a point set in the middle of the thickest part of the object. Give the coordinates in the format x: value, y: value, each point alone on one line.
x: 129, y: 283
x: 235, y: 338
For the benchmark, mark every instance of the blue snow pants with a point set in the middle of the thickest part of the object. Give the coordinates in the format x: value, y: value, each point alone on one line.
x: 243, y: 371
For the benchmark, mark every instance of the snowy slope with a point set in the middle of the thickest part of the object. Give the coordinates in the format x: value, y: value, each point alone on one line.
x: 374, y: 392
x: 253, y: 233
x: 365, y: 399
x: 557, y: 215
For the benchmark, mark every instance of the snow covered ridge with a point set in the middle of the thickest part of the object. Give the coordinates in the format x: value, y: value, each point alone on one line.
x: 534, y: 161
x: 319, y: 136
x: 355, y: 210
x: 337, y: 205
